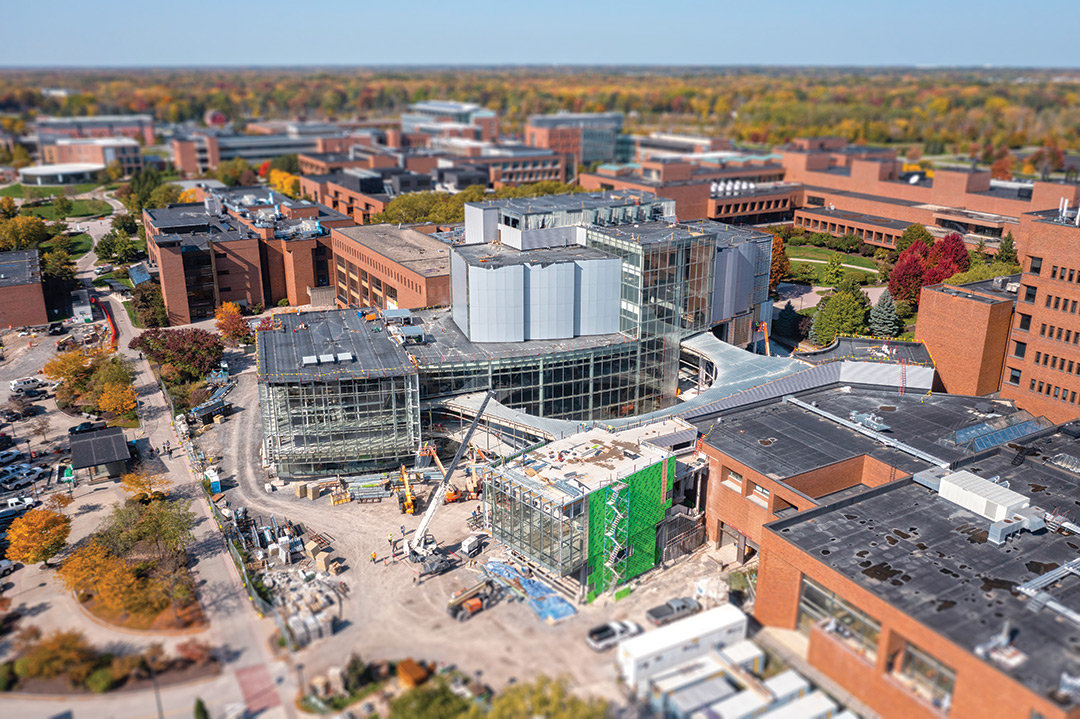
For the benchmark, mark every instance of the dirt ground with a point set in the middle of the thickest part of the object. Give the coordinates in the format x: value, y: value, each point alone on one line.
x: 386, y: 616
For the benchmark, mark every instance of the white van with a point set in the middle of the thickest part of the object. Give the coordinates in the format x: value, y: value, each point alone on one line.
x: 24, y: 383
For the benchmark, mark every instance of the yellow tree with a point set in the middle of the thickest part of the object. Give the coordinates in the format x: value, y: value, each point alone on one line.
x: 116, y: 583
x: 67, y: 366
x: 37, y: 536
x: 58, y: 501
x: 188, y: 195
x: 230, y: 322
x: 142, y: 482
x: 117, y: 398
x: 80, y: 571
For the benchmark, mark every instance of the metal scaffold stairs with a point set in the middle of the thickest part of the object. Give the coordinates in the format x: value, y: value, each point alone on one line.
x: 616, y: 531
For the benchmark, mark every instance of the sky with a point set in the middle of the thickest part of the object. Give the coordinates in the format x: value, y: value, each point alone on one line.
x: 77, y: 33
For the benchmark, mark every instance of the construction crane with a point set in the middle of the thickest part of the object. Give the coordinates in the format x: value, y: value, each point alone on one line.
x: 453, y: 494
x: 406, y: 496
x: 420, y: 546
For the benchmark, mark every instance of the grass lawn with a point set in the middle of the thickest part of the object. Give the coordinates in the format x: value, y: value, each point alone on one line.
x: 19, y: 190
x: 818, y: 269
x: 79, y: 208
x: 80, y: 245
x: 130, y: 309
x: 808, y: 252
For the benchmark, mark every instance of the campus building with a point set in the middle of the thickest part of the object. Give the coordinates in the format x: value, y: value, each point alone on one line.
x: 949, y: 593
x: 97, y: 151
x: 201, y: 151
x: 427, y: 118
x: 248, y: 245
x: 390, y: 267
x: 335, y: 397
x: 583, y: 137
x: 137, y: 127
x: 22, y: 298
x: 361, y: 193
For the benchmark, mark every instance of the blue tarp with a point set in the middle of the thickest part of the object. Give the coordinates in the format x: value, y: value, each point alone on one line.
x: 548, y: 605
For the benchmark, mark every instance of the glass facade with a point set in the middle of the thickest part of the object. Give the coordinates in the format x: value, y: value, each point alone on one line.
x: 340, y: 427
x: 817, y: 605
x: 927, y: 676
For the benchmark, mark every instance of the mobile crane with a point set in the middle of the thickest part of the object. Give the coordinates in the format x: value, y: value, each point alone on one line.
x: 406, y: 496
x: 421, y: 547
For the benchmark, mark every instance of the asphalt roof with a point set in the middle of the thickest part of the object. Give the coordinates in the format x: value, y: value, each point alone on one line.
x: 102, y: 446
x: 349, y: 348
x: 780, y: 440
x: 846, y: 216
x: 929, y: 558
x: 407, y: 247
x: 575, y: 201
x: 19, y: 267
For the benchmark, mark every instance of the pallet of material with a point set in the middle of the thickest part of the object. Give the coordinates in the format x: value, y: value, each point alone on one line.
x: 301, y: 489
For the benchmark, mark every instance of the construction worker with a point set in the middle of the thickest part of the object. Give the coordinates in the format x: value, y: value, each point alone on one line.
x: 403, y: 531
x: 373, y: 555
x: 390, y: 538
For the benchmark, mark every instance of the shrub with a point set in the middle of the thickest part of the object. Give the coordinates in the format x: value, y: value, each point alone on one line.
x: 283, y: 302
x: 194, y: 651
x: 22, y: 667
x: 100, y: 680
x: 796, y: 240
x: 7, y: 676
x: 200, y: 710
x: 124, y: 667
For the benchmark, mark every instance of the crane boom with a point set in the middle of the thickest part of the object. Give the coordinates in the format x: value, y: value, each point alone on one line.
x: 418, y: 548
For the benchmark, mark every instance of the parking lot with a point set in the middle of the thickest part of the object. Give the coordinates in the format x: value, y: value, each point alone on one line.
x: 387, y: 616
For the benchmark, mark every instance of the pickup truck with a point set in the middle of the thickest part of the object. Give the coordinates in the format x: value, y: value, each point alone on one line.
x: 606, y: 636
x: 671, y: 610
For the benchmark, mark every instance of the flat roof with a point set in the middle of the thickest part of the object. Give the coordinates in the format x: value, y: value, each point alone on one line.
x: 19, y: 267
x: 982, y: 291
x: 930, y: 559
x: 866, y: 349
x: 573, y: 201
x: 690, y: 629
x: 347, y: 347
x: 846, y: 216
x: 52, y: 119
x: 780, y: 440
x: 645, y: 233
x: 405, y: 246
x: 448, y: 345
x: 490, y: 256
x: 61, y: 168
x: 102, y: 446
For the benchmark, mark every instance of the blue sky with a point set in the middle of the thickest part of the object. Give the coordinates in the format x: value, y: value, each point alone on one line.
x: 379, y: 32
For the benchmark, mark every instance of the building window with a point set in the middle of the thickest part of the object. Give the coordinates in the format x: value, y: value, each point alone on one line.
x: 1053, y: 272
x: 815, y: 201
x: 818, y: 605
x: 1025, y: 322
x: 761, y: 490
x: 733, y: 481
x: 1019, y: 349
x: 1029, y: 293
x: 1035, y: 265
x: 1014, y: 376
x: 927, y: 677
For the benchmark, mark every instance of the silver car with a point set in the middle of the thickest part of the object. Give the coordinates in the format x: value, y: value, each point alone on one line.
x: 606, y: 636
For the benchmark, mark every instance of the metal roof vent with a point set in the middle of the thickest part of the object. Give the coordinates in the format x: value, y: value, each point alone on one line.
x: 327, y: 359
x: 309, y: 360
x: 345, y: 357
x: 982, y: 496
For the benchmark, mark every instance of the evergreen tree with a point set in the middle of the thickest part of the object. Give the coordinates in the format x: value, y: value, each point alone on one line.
x: 1006, y: 250
x: 200, y: 709
x: 842, y: 314
x: 787, y: 322
x: 884, y: 321
x: 833, y: 274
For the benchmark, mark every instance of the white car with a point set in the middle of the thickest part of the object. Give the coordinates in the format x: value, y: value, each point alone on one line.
x: 9, y: 455
x: 7, y: 567
x: 606, y: 636
x: 17, y: 482
x: 34, y: 473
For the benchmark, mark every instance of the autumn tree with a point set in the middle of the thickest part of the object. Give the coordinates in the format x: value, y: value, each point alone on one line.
x: 37, y: 536
x: 188, y: 195
x: 117, y: 398
x: 163, y: 195
x: 8, y: 208
x: 950, y: 249
x: 59, y: 501
x: 67, y: 366
x: 80, y: 570
x: 149, y: 305
x: 194, y: 352
x: 143, y: 482
x: 22, y: 232
x: 63, y: 206
x: 231, y: 323
x: 906, y: 278
x: 114, y: 170
x: 57, y: 265
x: 58, y: 653
x: 780, y: 266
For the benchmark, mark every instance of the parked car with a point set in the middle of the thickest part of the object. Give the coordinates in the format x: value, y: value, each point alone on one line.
x: 103, y: 270
x: 27, y: 411
x: 24, y: 383
x: 57, y: 328
x: 33, y: 473
x: 16, y: 482
x: 606, y: 636
x: 10, y: 455
x: 30, y: 393
x: 7, y: 567
x: 5, y: 440
x: 671, y: 610
x: 83, y: 427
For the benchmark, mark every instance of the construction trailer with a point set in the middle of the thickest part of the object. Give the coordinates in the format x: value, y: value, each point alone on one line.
x: 589, y: 507
x: 337, y: 396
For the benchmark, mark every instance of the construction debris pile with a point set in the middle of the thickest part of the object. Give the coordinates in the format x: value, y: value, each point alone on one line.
x: 543, y: 600
x: 309, y: 604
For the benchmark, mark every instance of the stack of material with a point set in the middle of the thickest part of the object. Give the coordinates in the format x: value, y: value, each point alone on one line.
x: 301, y: 489
x: 323, y: 559
x: 307, y: 602
x: 411, y: 674
x: 543, y: 600
x: 311, y: 548
x: 313, y: 492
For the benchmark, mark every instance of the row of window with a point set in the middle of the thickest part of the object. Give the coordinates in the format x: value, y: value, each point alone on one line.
x: 1062, y: 304
x: 1064, y: 274
x: 759, y: 206
x: 835, y: 229
x: 1059, y: 333
x: 1052, y: 390
x: 1058, y: 363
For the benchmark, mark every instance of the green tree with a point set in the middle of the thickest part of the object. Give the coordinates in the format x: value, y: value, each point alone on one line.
x: 1006, y: 249
x: 833, y: 274
x: 63, y: 206
x: 546, y: 697
x: 884, y: 321
x: 200, y: 711
x: 57, y: 265
x: 912, y: 234
x: 163, y: 195
x: 288, y: 163
x: 104, y: 247
x: 124, y: 248
x: 149, y: 305
x: 842, y: 314
x: 114, y: 170
x: 434, y: 701
x: 979, y: 272
x: 125, y: 221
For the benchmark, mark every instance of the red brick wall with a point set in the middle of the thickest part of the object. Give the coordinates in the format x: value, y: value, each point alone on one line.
x: 966, y: 337
x: 691, y: 200
x: 184, y: 157
x: 239, y: 272
x: 173, y: 284
x: 23, y: 305
x: 780, y: 570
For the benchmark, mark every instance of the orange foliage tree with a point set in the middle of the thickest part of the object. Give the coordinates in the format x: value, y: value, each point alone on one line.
x: 231, y: 323
x: 37, y: 536
x: 781, y: 266
x: 67, y: 366
x: 117, y: 398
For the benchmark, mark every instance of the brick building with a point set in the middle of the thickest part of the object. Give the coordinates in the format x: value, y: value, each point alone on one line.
x: 22, y: 297
x: 360, y: 193
x: 424, y: 117
x: 390, y: 267
x: 247, y: 245
x: 97, y: 151
x: 138, y: 127
x: 583, y: 137
x: 950, y: 594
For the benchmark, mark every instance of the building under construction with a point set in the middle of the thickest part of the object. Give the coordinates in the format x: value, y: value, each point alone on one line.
x: 591, y: 507
x: 337, y: 396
